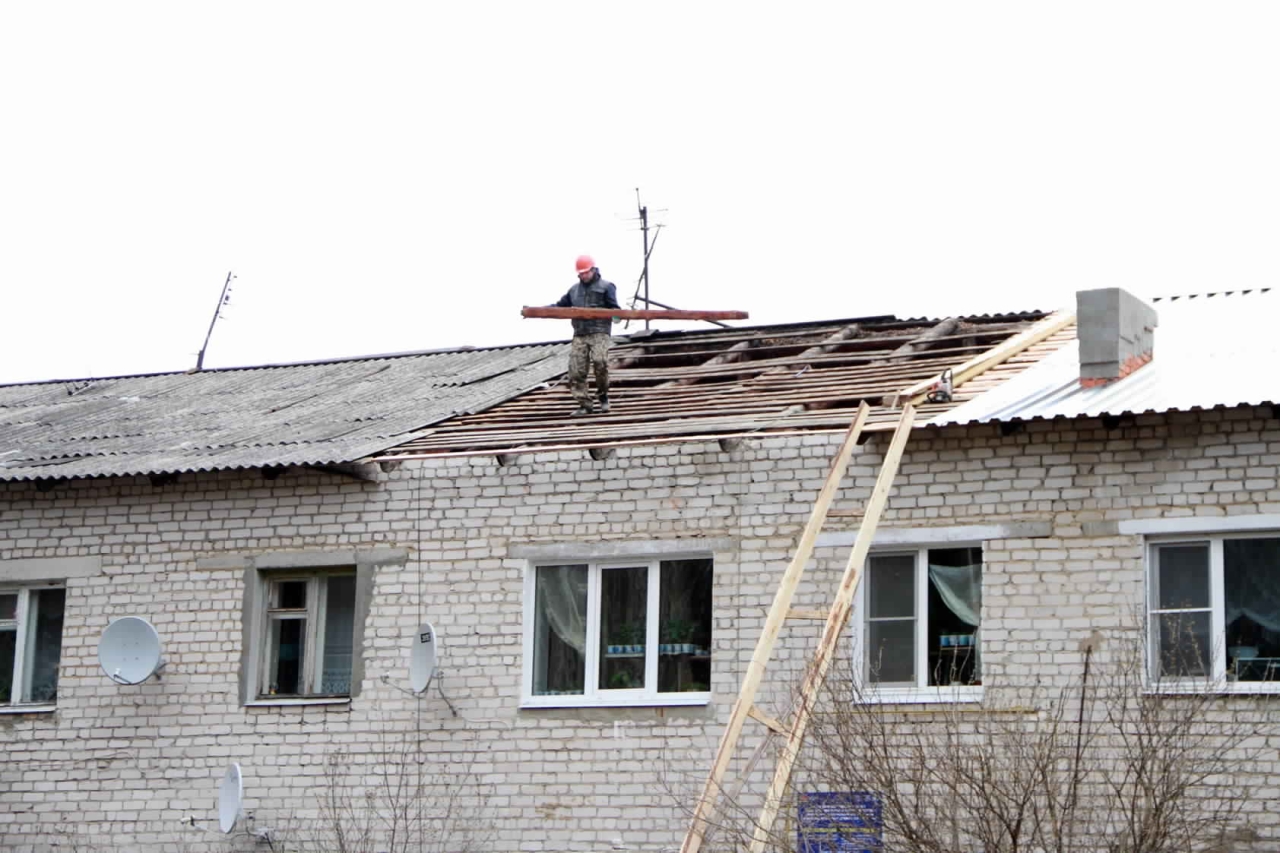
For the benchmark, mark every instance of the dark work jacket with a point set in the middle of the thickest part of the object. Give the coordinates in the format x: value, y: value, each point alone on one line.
x: 597, y: 294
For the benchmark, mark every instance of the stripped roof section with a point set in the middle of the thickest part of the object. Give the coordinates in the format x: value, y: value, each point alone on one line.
x: 304, y: 414
x: 684, y: 386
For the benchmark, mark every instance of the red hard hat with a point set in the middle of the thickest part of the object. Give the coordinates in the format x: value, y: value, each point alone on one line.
x: 584, y: 263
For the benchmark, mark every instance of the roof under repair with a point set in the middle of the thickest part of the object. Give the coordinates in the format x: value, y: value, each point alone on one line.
x: 1210, y: 350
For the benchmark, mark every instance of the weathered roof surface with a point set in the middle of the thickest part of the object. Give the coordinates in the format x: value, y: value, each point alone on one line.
x: 691, y: 385
x: 1210, y: 350
x: 303, y: 414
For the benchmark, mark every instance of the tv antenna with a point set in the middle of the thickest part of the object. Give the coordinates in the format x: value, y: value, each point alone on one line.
x: 129, y: 651
x: 643, y: 283
x: 223, y: 300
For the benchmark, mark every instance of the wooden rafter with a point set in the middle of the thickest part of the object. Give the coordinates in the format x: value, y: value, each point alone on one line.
x: 715, y: 385
x: 998, y: 355
x: 920, y: 342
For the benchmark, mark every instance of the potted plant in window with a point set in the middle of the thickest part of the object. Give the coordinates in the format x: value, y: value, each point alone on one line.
x: 677, y: 632
x: 621, y: 680
x: 636, y: 631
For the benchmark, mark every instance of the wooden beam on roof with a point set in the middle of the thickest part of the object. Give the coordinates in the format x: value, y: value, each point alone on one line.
x: 998, y: 354
x: 831, y: 342
x: 920, y: 342
x: 733, y: 353
x: 555, y: 313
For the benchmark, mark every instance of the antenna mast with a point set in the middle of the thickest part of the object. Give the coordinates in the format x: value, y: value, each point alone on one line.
x: 217, y: 312
x: 644, y: 229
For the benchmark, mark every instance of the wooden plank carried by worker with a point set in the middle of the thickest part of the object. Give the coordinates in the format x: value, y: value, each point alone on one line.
x: 557, y: 313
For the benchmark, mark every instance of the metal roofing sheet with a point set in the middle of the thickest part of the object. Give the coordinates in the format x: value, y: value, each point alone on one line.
x: 1210, y: 350
x: 317, y: 414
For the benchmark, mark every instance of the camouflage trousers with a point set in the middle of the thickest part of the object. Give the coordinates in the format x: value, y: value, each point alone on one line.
x: 586, y: 352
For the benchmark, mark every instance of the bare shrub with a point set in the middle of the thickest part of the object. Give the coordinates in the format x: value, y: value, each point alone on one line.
x: 397, y: 800
x: 1105, y: 761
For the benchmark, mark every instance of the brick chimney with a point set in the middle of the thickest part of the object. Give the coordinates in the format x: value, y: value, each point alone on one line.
x: 1116, y: 332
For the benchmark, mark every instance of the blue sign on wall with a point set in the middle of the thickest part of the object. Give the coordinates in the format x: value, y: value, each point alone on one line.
x: 839, y: 822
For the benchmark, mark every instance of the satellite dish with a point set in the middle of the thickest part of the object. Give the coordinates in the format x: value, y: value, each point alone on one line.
x: 129, y: 650
x: 422, y: 662
x: 230, y: 799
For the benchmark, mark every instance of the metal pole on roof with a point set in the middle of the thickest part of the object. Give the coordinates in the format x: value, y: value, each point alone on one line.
x: 644, y: 230
x: 223, y: 299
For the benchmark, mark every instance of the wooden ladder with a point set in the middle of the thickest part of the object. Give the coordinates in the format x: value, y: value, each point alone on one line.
x: 836, y: 619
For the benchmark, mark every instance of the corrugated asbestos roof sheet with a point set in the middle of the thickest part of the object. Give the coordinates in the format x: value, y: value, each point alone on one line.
x: 1210, y: 350
x: 698, y: 385
x: 304, y: 414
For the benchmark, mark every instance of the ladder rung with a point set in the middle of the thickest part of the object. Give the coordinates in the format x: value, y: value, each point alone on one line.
x: 756, y: 714
x: 820, y: 615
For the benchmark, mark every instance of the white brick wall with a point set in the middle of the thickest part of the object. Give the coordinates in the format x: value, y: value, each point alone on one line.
x: 119, y: 767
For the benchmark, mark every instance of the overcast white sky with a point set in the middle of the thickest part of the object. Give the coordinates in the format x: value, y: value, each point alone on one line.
x: 387, y: 177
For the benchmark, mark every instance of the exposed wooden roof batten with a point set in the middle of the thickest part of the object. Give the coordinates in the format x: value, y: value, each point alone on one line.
x: 725, y: 384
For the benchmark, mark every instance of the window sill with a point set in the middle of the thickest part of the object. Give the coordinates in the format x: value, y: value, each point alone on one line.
x: 664, y: 701
x: 280, y: 703
x: 923, y: 695
x: 1220, y: 688
x: 28, y: 709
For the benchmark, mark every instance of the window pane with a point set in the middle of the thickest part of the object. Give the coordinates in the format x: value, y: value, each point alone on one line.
x: 954, y: 608
x: 339, y: 629
x: 1251, y: 589
x: 891, y: 654
x: 891, y: 586
x: 291, y: 595
x: 46, y: 638
x: 1183, y: 581
x: 684, y: 626
x: 624, y: 605
x: 1183, y: 644
x: 287, y: 638
x: 8, y: 606
x: 559, y: 630
x: 8, y: 648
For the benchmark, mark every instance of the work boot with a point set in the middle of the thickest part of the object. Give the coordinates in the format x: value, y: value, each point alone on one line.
x: 584, y: 409
x: 604, y: 403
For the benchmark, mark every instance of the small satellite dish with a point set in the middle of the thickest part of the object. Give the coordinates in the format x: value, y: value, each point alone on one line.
x: 129, y: 650
x: 230, y: 799
x: 422, y: 661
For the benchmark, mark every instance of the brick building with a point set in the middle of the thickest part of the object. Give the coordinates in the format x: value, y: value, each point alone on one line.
x: 596, y: 585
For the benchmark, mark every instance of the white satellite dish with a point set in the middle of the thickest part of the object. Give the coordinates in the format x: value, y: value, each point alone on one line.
x: 129, y: 650
x: 230, y: 799
x: 422, y: 661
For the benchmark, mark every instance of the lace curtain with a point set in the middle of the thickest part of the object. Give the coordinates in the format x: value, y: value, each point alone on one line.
x: 960, y: 588
x: 562, y: 595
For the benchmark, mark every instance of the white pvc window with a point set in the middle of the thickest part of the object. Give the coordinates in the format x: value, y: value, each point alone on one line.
x: 309, y: 635
x: 628, y: 633
x: 1213, y: 612
x: 30, y: 644
x: 918, y: 622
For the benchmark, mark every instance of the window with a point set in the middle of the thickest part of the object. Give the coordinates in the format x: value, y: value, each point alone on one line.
x: 1214, y: 610
x: 919, y: 619
x: 30, y: 644
x: 637, y: 632
x: 309, y: 634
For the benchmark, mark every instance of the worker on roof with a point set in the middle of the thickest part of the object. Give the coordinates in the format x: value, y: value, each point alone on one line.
x: 591, y: 338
